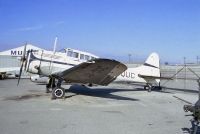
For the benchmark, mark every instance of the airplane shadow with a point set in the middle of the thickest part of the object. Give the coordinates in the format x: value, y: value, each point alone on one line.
x: 155, y: 90
x: 99, y: 92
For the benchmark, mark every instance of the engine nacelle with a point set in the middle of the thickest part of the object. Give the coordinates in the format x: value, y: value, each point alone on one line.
x: 39, y: 79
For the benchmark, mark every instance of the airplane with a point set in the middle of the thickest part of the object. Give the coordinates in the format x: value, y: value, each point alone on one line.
x: 147, y: 75
x: 78, y: 67
x: 194, y: 109
x: 71, y: 66
x: 8, y: 71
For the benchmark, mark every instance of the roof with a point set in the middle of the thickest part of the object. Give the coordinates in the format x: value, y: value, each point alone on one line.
x: 19, y: 50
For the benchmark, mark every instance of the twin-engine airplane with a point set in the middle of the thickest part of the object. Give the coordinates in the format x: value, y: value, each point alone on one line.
x: 73, y: 66
x: 83, y: 68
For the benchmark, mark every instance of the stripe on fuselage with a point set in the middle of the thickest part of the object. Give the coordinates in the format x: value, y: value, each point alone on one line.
x: 32, y: 58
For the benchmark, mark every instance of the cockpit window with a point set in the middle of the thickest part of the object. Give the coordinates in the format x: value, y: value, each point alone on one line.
x: 69, y: 53
x: 92, y: 58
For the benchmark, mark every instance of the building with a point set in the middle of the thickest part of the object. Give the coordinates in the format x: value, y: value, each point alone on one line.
x: 10, y: 60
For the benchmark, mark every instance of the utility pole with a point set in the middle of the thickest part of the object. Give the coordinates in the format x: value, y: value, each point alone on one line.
x: 129, y: 58
x: 184, y: 58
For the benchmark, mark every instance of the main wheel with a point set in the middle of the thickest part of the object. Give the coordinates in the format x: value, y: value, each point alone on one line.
x: 58, y: 93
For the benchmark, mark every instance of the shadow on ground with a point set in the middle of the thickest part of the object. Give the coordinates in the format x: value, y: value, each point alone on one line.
x: 83, y: 90
x: 104, y: 92
x: 24, y: 97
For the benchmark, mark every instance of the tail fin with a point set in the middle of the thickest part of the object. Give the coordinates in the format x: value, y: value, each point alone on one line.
x: 153, y: 61
x: 151, y: 67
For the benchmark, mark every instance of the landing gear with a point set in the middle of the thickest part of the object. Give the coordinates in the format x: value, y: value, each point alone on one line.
x: 58, y: 92
x: 51, y: 84
x: 159, y: 86
x: 148, y: 87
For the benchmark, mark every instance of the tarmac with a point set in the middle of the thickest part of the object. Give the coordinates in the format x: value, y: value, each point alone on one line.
x: 114, y: 109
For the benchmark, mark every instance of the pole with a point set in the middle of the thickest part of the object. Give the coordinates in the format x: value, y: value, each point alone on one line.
x: 176, y: 71
x: 198, y: 81
x: 129, y: 58
x: 184, y: 58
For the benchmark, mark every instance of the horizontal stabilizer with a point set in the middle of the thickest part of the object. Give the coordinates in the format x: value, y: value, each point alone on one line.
x: 154, y: 77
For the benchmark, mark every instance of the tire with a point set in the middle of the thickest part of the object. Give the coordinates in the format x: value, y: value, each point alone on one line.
x: 58, y: 93
x: 146, y: 88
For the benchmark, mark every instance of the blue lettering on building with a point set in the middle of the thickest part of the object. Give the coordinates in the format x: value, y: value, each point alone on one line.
x: 16, y: 52
x: 13, y: 52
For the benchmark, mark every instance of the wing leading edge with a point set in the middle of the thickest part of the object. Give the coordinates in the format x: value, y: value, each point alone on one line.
x: 97, y: 71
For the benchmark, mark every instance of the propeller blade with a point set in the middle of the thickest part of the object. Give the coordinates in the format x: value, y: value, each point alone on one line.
x: 20, y: 73
x: 22, y: 64
x: 24, y: 52
x: 25, y: 66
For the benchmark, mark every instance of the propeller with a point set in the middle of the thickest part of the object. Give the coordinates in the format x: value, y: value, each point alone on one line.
x: 23, y: 59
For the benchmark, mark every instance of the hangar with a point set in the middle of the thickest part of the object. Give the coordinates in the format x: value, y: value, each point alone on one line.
x: 10, y: 60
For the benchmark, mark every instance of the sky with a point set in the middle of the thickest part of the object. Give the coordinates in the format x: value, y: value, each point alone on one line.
x: 107, y: 28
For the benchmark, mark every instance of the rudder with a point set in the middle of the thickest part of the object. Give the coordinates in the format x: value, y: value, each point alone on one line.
x: 153, y: 60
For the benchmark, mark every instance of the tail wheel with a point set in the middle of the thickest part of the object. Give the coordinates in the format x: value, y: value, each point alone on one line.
x: 58, y: 93
x: 148, y: 87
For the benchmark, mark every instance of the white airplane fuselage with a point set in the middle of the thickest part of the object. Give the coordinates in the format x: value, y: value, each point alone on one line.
x: 131, y: 75
x: 46, y: 63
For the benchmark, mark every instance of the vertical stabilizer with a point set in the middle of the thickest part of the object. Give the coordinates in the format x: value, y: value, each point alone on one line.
x: 153, y: 61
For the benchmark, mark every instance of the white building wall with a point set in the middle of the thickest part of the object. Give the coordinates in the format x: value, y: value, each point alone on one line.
x: 10, y: 59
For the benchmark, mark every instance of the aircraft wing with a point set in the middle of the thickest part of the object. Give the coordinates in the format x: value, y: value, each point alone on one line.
x: 97, y: 71
x: 154, y: 77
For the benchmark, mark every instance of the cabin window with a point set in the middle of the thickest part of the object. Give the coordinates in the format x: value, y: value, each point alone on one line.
x: 87, y: 57
x: 82, y: 56
x: 69, y: 53
x: 92, y: 58
x: 75, y: 55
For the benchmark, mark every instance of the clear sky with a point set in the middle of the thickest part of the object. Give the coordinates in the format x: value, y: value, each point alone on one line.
x: 113, y: 28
